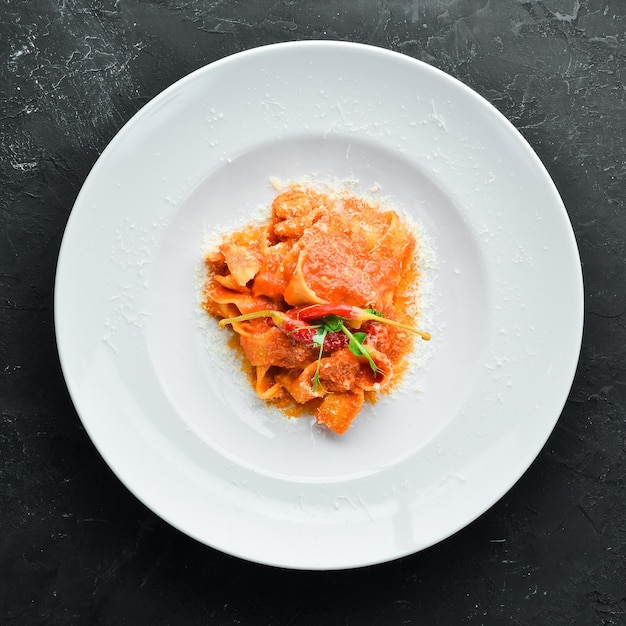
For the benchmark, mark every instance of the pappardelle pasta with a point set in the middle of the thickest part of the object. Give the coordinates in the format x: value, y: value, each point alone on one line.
x: 322, y: 299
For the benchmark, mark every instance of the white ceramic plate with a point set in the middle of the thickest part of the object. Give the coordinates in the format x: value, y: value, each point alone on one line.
x: 192, y: 442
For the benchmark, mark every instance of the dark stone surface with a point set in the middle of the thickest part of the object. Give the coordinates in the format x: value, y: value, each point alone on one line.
x: 77, y: 548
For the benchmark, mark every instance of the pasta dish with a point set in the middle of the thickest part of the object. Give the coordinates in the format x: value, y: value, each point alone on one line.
x: 322, y: 298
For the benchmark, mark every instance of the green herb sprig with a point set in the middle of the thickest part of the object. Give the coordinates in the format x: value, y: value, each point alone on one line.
x: 356, y: 345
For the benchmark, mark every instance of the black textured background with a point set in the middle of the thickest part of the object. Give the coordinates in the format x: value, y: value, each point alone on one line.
x: 77, y: 548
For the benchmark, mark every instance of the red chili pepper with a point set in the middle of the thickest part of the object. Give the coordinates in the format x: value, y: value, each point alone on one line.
x: 284, y: 321
x: 296, y: 322
x: 298, y: 329
x: 314, y: 312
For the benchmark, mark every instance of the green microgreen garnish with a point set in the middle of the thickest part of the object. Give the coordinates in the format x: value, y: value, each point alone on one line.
x: 335, y: 323
x: 358, y: 348
x: 327, y: 318
x: 318, y: 340
x: 356, y: 343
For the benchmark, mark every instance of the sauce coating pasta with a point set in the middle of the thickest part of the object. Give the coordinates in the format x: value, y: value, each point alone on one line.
x: 322, y: 299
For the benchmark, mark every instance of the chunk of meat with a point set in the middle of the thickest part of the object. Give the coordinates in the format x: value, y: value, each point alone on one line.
x: 369, y: 380
x: 339, y: 371
x: 273, y: 347
x: 295, y: 210
x: 339, y: 409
